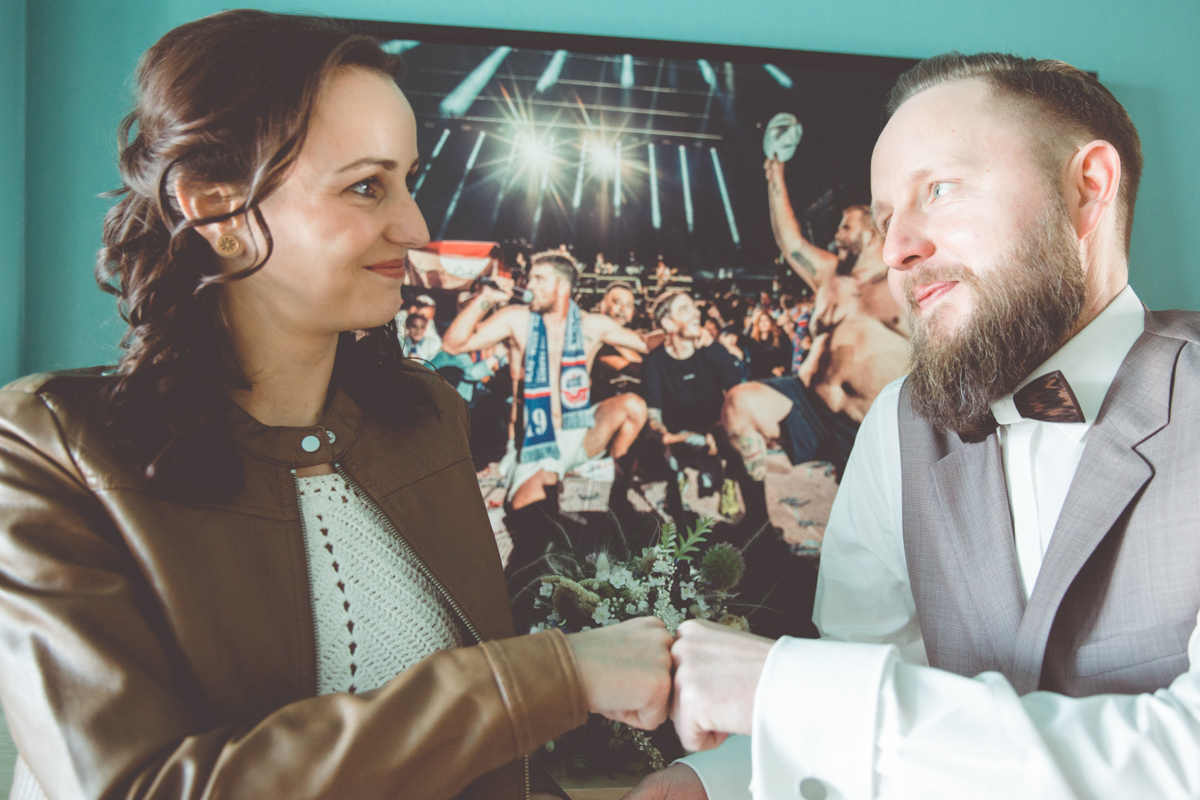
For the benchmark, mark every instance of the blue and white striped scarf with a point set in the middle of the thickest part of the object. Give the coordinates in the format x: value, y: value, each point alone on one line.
x: 574, y: 387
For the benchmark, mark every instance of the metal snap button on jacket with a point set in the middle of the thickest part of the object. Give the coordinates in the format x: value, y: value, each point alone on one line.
x: 310, y: 444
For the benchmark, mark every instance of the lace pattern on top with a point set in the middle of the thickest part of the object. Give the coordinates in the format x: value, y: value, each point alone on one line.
x: 376, y: 613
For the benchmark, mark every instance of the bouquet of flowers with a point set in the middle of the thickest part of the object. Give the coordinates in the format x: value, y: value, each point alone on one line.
x: 674, y: 580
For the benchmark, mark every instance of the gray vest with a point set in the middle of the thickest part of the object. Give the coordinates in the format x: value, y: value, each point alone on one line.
x: 1117, y: 595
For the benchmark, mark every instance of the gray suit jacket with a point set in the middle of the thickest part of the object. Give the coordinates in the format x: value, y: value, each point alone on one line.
x: 1118, y: 592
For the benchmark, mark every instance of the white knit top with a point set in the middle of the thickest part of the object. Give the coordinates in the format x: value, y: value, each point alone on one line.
x: 376, y: 613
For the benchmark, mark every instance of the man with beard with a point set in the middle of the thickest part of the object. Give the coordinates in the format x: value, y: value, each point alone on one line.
x: 552, y: 344
x: 859, y: 345
x: 1008, y: 592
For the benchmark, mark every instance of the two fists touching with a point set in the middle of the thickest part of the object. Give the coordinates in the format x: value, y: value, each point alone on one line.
x: 705, y: 676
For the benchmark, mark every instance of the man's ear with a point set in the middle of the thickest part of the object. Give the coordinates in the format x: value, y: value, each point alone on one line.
x: 205, y: 200
x: 1093, y: 178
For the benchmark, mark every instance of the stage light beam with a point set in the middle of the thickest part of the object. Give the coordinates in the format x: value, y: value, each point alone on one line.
x: 578, y: 196
x: 733, y: 230
x: 603, y: 157
x: 617, y: 181
x: 459, y: 101
x: 655, y: 212
x: 552, y: 71
x: 536, y: 152
x: 537, y: 215
x: 687, y: 189
x: 437, y: 149
x: 707, y: 71
x: 398, y: 46
x: 504, y: 181
x: 626, y: 71
x: 775, y: 72
x: 462, y: 182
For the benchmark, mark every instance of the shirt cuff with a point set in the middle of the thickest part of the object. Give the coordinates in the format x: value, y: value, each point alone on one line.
x: 816, y: 719
x: 725, y: 770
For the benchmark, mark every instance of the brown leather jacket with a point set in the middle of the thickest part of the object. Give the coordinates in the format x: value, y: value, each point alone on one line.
x: 156, y: 650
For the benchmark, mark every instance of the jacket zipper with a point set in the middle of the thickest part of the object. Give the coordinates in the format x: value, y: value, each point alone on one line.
x: 428, y: 573
x: 424, y: 570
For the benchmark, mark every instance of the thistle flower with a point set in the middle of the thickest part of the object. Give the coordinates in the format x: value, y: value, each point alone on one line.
x: 722, y: 566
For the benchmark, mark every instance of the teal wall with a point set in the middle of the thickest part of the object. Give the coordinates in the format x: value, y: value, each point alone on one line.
x: 12, y: 177
x: 73, y: 88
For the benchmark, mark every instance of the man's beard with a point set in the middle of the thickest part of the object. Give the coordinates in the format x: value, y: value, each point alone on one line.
x: 1026, y: 308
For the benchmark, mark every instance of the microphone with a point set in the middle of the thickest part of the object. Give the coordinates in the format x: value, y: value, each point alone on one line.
x: 519, y: 295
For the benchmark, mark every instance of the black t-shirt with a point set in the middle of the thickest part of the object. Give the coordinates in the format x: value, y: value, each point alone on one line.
x: 607, y: 382
x: 689, y: 392
x: 764, y: 357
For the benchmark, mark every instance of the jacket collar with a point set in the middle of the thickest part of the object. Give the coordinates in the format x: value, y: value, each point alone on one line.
x: 323, y: 443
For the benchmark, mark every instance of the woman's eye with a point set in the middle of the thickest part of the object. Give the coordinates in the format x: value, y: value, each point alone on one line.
x: 940, y: 189
x: 410, y: 180
x: 368, y: 187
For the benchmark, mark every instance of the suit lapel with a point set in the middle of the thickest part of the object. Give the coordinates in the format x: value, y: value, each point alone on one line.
x: 1110, y: 476
x: 970, y: 489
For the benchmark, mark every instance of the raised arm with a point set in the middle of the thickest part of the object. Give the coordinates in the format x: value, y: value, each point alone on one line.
x: 470, y: 331
x: 810, y: 262
x: 617, y: 336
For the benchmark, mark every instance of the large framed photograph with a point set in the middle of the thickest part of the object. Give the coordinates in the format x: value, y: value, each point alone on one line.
x: 667, y: 433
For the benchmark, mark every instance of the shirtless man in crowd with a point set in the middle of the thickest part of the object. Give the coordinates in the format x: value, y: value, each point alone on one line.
x: 552, y: 278
x: 859, y: 345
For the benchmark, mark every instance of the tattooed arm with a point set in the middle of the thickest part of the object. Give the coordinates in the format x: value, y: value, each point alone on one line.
x: 752, y: 447
x: 810, y: 262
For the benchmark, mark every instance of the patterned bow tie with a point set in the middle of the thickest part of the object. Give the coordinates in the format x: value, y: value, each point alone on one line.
x: 1048, y: 399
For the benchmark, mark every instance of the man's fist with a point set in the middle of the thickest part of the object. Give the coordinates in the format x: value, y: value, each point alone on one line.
x: 499, y: 294
x: 716, y: 674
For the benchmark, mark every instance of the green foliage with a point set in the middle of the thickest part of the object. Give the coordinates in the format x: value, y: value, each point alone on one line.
x: 682, y: 548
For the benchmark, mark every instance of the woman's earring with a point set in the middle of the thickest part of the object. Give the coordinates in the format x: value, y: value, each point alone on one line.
x: 229, y: 245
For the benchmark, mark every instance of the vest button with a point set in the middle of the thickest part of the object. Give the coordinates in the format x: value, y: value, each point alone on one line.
x: 812, y: 789
x: 329, y: 435
x: 310, y: 444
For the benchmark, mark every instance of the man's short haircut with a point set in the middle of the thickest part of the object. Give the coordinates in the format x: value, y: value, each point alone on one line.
x: 620, y: 285
x: 566, y: 266
x: 863, y: 209
x: 1069, y: 108
x: 662, y: 306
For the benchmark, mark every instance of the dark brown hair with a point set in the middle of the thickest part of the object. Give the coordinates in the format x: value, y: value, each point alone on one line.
x: 226, y: 99
x: 1069, y: 108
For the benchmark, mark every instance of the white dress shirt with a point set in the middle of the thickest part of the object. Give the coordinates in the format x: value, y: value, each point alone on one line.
x: 859, y: 714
